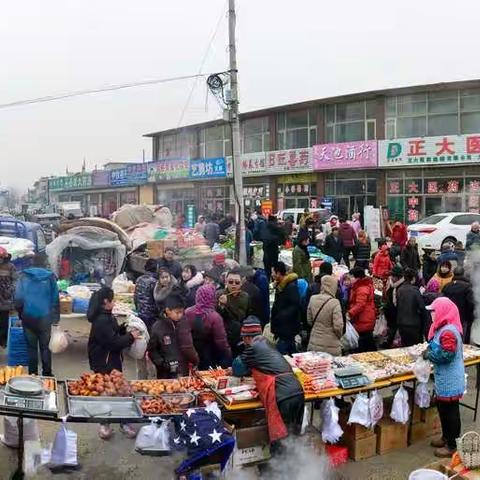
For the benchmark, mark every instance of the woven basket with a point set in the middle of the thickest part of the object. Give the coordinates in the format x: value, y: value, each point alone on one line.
x: 468, y: 447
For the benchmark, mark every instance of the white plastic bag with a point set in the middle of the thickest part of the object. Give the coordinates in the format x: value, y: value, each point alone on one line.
x: 64, y: 451
x: 139, y: 346
x: 121, y: 284
x: 154, y: 436
x: 400, y: 408
x: 307, y: 412
x: 375, y: 407
x: 422, y: 369
x: 79, y: 291
x: 381, y: 327
x: 350, y: 338
x: 58, y: 340
x: 422, y: 395
x: 331, y: 430
x: 360, y: 412
x: 10, y: 431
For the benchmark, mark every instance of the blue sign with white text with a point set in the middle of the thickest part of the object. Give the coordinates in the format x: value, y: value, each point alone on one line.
x: 208, y: 168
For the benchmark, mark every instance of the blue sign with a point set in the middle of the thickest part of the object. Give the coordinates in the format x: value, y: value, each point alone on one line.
x: 208, y: 168
x: 326, y: 202
x: 134, y: 174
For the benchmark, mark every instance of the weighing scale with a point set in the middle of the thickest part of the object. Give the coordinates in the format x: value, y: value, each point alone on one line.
x: 351, y: 377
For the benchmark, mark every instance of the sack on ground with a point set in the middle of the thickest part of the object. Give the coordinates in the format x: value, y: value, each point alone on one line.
x: 360, y: 412
x: 10, y: 431
x: 350, y: 339
x: 375, y: 408
x: 400, y: 408
x: 64, y: 451
x: 422, y: 395
x: 58, y: 340
x: 154, y: 436
x: 331, y: 430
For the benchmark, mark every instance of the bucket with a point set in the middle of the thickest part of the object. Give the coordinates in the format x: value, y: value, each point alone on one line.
x: 427, y: 474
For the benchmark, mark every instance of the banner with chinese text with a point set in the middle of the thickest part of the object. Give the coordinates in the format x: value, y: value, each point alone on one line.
x: 333, y: 156
x: 171, y: 169
x: 134, y: 174
x: 204, y: 168
x: 72, y: 182
x: 285, y: 161
x: 252, y: 164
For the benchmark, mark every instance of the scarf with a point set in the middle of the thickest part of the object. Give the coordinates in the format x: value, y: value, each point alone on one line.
x: 446, y: 313
x: 204, y: 300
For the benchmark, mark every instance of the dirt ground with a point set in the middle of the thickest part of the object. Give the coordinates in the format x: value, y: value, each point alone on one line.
x: 117, y: 458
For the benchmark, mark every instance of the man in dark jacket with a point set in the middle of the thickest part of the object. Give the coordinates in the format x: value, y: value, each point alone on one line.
x: 460, y: 292
x: 143, y: 297
x: 412, y: 316
x: 286, y: 310
x: 390, y: 306
x: 256, y: 301
x: 273, y: 237
x: 409, y: 258
x: 334, y: 245
x: 429, y: 267
x: 473, y: 237
x: 168, y: 261
x: 349, y: 237
x: 211, y: 232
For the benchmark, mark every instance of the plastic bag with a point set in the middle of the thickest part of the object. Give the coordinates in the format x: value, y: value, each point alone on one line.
x: 422, y: 395
x: 58, y: 340
x: 121, y: 284
x: 400, y: 408
x: 381, y: 327
x: 350, y: 338
x: 422, y: 369
x: 267, y: 333
x: 360, y: 412
x: 307, y: 412
x: 64, y: 451
x: 375, y: 408
x: 154, y: 436
x: 331, y: 430
x: 79, y: 291
x: 10, y: 431
x: 139, y: 346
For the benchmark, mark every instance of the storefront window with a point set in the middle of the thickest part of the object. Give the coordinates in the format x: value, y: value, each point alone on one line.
x: 176, y: 199
x: 256, y: 135
x: 254, y: 194
x: 179, y: 145
x: 470, y: 111
x: 216, y: 142
x: 215, y: 199
x: 297, y: 195
x: 128, y: 198
x: 297, y: 129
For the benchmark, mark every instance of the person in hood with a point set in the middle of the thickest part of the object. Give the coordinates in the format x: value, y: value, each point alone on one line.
x: 219, y: 267
x: 191, y: 281
x: 279, y: 389
x: 208, y: 331
x: 349, y: 237
x: 473, y: 237
x: 286, y: 313
x: 143, y: 297
x: 399, y: 235
x: 166, y: 284
x: 362, y: 250
x: 445, y: 351
x: 460, y: 292
x: 168, y: 261
x: 301, y: 258
x: 444, y: 274
x: 211, y: 231
x: 429, y: 264
x: 382, y: 263
x: 171, y: 345
x: 390, y: 307
x: 8, y: 277
x: 334, y: 245
x: 409, y: 258
x: 361, y: 309
x: 105, y: 345
x: 324, y: 315
x: 37, y: 304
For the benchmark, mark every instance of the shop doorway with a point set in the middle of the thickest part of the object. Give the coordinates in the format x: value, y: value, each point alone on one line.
x: 347, y: 205
x: 297, y: 202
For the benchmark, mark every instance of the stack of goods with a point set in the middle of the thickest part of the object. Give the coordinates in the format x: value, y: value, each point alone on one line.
x: 470, y: 352
x: 317, y: 371
x: 100, y: 385
x: 66, y: 304
x: 215, y: 377
x: 379, y: 366
x: 6, y: 373
x: 416, y: 350
x: 166, y: 405
x: 18, y: 248
x: 80, y: 295
x: 17, y: 353
x: 158, y: 387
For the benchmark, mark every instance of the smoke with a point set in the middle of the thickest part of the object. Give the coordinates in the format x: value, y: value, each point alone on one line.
x: 472, y: 267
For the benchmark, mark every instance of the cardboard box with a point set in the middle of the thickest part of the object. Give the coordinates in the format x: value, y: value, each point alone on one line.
x: 252, y: 437
x: 432, y: 419
x: 417, y: 414
x: 419, y: 432
x: 354, y: 430
x: 247, y: 456
x: 361, y: 448
x: 391, y: 436
x: 66, y: 307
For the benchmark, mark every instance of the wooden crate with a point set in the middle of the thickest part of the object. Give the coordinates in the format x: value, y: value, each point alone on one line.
x: 391, y: 436
x: 361, y: 448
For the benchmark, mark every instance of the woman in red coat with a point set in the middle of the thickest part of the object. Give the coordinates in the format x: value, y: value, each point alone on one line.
x: 382, y: 264
x: 361, y: 309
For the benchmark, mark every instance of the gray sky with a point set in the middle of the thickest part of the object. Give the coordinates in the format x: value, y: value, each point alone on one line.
x: 287, y: 52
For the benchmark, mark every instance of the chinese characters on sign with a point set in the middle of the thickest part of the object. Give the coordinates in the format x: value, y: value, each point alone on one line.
x: 133, y: 174
x: 168, y: 170
x: 345, y: 155
x: 448, y: 149
x: 208, y: 168
x: 252, y: 164
x: 284, y: 161
x: 72, y: 182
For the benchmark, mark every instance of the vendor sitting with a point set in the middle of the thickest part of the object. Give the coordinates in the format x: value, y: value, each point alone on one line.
x: 279, y: 389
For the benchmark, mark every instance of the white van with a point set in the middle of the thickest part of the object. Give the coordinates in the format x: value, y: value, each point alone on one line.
x: 296, y: 214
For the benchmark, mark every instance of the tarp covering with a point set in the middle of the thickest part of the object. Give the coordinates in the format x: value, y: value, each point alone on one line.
x: 130, y: 215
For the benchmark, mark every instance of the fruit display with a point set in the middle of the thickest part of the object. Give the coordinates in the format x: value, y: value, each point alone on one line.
x: 6, y: 373
x: 166, y: 404
x: 100, y: 385
x: 157, y: 387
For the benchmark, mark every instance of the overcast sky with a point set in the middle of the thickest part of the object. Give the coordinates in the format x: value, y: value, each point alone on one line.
x: 287, y: 52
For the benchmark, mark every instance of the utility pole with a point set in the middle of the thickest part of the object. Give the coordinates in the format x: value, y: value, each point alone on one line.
x: 235, y: 125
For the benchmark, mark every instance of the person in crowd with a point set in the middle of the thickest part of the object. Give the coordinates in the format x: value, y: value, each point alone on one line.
x: 168, y: 261
x: 334, y: 245
x: 233, y: 305
x: 460, y: 292
x: 272, y: 239
x: 448, y: 254
x: 473, y: 237
x: 460, y: 253
x: 348, y: 236
x: 357, y: 226
x: 301, y: 258
x: 285, y: 320
x: 208, y: 331
x: 382, y: 263
x: 330, y: 224
x: 200, y: 225
x: 259, y: 225
x: 37, y: 304
x: 211, y: 231
x: 409, y: 257
x: 445, y: 351
x: 219, y: 267
x: 8, y: 277
x: 145, y: 303
x: 390, y: 307
x: 361, y: 309
x: 325, y: 268
x: 362, y: 250
x: 106, y: 342
x: 248, y: 244
x: 345, y: 286
x: 324, y: 315
x: 256, y: 299
x: 429, y: 264
x: 444, y: 274
x: 261, y: 281
x: 210, y: 278
x: 288, y: 226
x: 227, y: 222
x: 399, y: 237
x: 191, y: 281
x: 411, y: 314
x: 279, y: 389
x: 166, y: 284
x: 432, y: 291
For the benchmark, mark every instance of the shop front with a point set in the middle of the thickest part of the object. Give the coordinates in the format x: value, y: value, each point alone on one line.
x: 440, y: 174
x: 176, y: 196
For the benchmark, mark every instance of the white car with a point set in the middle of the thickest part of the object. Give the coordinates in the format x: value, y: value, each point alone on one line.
x: 436, y: 230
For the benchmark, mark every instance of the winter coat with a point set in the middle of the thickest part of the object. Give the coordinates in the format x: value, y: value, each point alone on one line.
x: 107, y: 339
x: 382, y: 264
x: 409, y: 258
x: 362, y: 251
x: 301, y: 264
x: 399, y: 234
x: 171, y: 347
x: 429, y: 268
x: 327, y: 326
x: 347, y: 234
x: 361, y: 307
x: 145, y: 304
x: 443, y: 280
x: 473, y: 240
x: 256, y: 302
x: 286, y: 310
x: 174, y: 267
x: 36, y: 297
x: 160, y: 293
x: 8, y: 277
x: 211, y: 233
x: 190, y: 288
x: 333, y: 247
x: 261, y: 281
x: 411, y: 310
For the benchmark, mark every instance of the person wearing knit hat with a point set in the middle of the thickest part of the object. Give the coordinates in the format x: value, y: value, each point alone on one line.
x: 251, y: 327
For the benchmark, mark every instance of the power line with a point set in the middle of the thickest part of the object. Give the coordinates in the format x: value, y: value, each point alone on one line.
x: 79, y: 93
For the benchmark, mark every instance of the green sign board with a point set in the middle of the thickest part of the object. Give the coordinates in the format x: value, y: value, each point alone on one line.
x: 72, y: 182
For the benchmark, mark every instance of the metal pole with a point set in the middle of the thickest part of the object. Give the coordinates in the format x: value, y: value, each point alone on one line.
x: 235, y: 124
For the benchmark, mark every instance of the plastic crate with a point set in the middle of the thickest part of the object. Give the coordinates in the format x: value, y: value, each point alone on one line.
x: 17, y: 353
